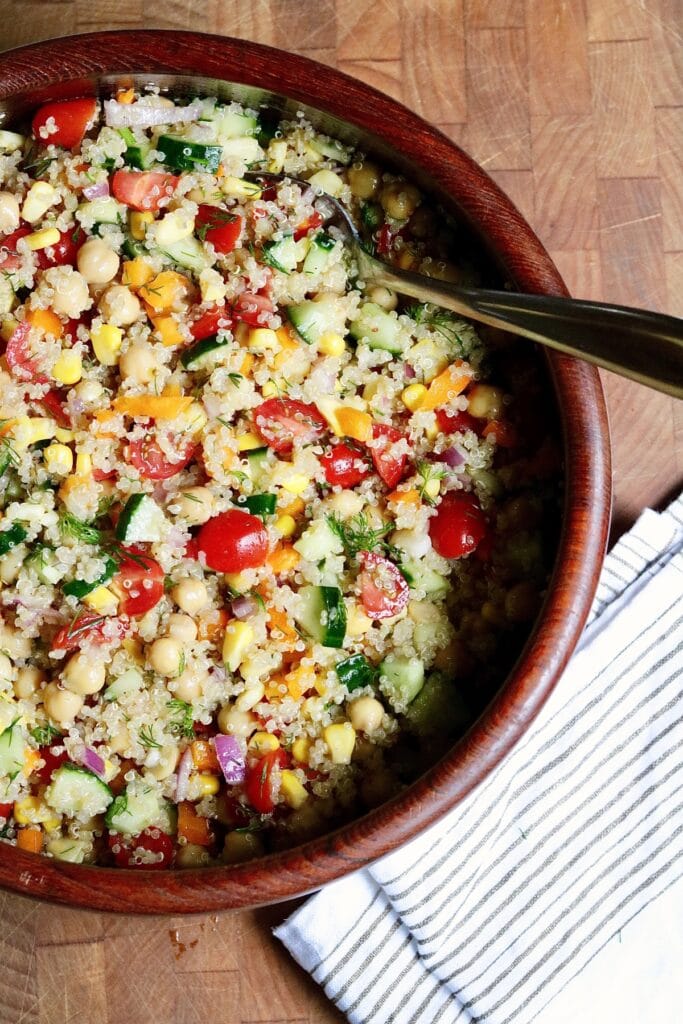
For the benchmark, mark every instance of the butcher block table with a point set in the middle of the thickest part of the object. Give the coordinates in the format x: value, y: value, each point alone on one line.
x: 578, y: 115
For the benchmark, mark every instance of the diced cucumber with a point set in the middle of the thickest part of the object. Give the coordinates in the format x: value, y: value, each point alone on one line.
x: 130, y: 681
x: 355, y: 672
x: 230, y: 124
x: 67, y: 848
x: 311, y: 319
x: 189, y: 253
x: 260, y: 504
x: 44, y: 561
x: 401, y: 679
x: 12, y: 749
x: 421, y: 577
x: 104, y: 210
x: 282, y: 254
x: 137, y: 152
x: 246, y: 149
x: 76, y: 791
x: 322, y: 614
x: 257, y: 460
x: 183, y: 155
x: 11, y: 537
x: 318, y: 541
x: 140, y: 520
x: 9, y: 141
x: 197, y: 355
x: 318, y: 255
x: 378, y: 328
x: 79, y: 588
x: 137, y: 808
x: 331, y: 149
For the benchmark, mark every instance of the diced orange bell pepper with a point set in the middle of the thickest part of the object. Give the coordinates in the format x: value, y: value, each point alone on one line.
x: 283, y: 558
x: 354, y: 423
x: 247, y: 364
x: 166, y: 291
x: 192, y: 827
x: 31, y: 758
x: 46, y: 321
x: 168, y: 329
x: 204, y: 757
x: 280, y: 621
x: 136, y: 273
x: 30, y: 839
x: 156, y: 407
x: 450, y: 383
x: 288, y: 344
x: 411, y: 497
x: 125, y: 95
x: 212, y: 626
x: 293, y: 509
x: 299, y: 680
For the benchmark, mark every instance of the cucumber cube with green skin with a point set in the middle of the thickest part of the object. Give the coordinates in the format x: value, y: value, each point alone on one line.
x: 140, y: 521
x: 355, y: 672
x: 80, y: 589
x: 76, y: 791
x: 401, y: 679
x: 322, y: 614
x: 318, y: 255
x: 183, y: 155
x: 11, y: 537
x: 188, y: 253
x: 11, y: 749
x: 281, y: 254
x: 137, y: 153
x: 378, y: 329
x: 195, y: 356
x: 136, y: 809
x: 311, y: 319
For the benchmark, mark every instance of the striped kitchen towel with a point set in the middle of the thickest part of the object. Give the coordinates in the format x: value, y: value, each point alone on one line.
x: 521, y: 904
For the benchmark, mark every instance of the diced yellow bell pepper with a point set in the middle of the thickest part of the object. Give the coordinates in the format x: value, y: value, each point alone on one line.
x: 285, y: 525
x: 270, y: 389
x: 125, y: 95
x: 447, y: 386
x: 301, y: 749
x: 31, y: 758
x: 341, y: 739
x: 42, y: 239
x: 102, y: 600
x: 296, y: 483
x: 156, y: 407
x: 263, y: 339
x: 413, y: 396
x: 248, y: 442
x: 106, y: 343
x: 247, y: 364
x: 354, y: 423
x: 263, y: 743
x: 293, y: 792
x: 238, y: 637
x: 83, y: 464
x: 240, y: 188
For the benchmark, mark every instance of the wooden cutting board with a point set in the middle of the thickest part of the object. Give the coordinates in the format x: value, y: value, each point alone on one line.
x: 579, y: 117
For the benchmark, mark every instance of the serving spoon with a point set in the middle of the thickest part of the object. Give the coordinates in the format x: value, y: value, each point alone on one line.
x: 635, y: 343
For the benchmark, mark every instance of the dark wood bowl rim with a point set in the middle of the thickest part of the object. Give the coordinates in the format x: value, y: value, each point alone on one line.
x: 587, y: 458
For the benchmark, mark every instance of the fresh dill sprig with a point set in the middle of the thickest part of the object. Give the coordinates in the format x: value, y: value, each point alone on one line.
x: 429, y: 471
x: 147, y: 738
x: 44, y: 735
x: 183, y: 718
x: 236, y: 379
x: 439, y: 320
x: 81, y: 531
x: 356, y: 534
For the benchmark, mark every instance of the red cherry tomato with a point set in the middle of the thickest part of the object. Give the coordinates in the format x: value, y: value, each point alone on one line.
x: 55, y: 406
x: 453, y: 422
x: 71, y: 119
x: 458, y: 526
x: 385, y: 240
x: 281, y: 421
x: 383, y: 589
x: 344, y: 465
x: 152, y: 463
x: 135, y: 852
x: 139, y: 582
x: 220, y: 228
x: 88, y: 626
x: 262, y: 781
x: 312, y: 222
x: 232, y: 541
x: 143, y: 190
x: 52, y: 763
x: 392, y: 468
x: 206, y: 322
x: 9, y: 257
x: 252, y: 309
x: 6, y: 810
x: 62, y: 253
x: 18, y: 357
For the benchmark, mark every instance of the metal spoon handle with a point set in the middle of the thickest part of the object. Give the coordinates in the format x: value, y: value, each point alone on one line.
x: 645, y: 346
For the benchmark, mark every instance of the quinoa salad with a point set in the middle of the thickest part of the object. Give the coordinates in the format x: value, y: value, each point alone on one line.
x: 270, y: 538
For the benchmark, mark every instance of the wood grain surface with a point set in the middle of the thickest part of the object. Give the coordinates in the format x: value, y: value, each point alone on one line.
x: 576, y: 109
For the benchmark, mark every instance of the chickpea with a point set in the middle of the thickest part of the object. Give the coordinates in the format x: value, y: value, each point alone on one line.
x: 364, y: 180
x: 190, y: 596
x: 345, y: 503
x: 485, y: 402
x: 399, y: 199
x: 423, y: 223
x: 250, y: 697
x: 168, y: 759
x: 241, y: 846
x: 138, y: 364
x: 89, y: 391
x: 195, y: 504
x: 182, y: 627
x: 120, y: 306
x: 97, y: 262
x: 366, y: 714
x: 71, y: 296
x: 9, y: 213
x: 188, y: 686
x: 383, y: 297
x: 27, y: 682
x: 166, y: 656
x: 13, y: 643
x: 237, y: 723
x: 120, y: 741
x: 84, y: 675
x: 61, y: 705
x: 192, y: 856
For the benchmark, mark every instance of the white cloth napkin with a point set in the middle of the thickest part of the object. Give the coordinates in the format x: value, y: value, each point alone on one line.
x: 531, y: 886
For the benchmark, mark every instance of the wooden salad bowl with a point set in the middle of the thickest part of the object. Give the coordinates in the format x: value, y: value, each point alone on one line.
x: 185, y: 62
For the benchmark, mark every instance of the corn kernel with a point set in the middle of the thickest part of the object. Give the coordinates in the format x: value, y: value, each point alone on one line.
x: 174, y: 227
x: 208, y: 785
x: 106, y: 342
x: 262, y: 339
x: 263, y: 743
x: 327, y: 181
x: 293, y: 792
x: 240, y: 188
x: 332, y: 344
x: 30, y: 811
x: 238, y: 636
x: 413, y: 396
x: 237, y: 581
x: 68, y: 368
x: 341, y: 739
x: 285, y: 525
x: 59, y: 459
x: 102, y: 600
x: 432, y: 488
x: 270, y: 389
x: 64, y: 435
x: 297, y: 483
x: 247, y: 442
x: 301, y: 749
x: 28, y: 430
x: 433, y: 430
x: 39, y: 198
x: 138, y: 222
x: 41, y: 239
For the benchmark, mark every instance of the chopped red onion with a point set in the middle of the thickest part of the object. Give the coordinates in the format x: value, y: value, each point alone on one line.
x: 243, y: 607
x: 145, y: 115
x: 91, y: 760
x: 452, y: 457
x: 230, y: 758
x: 183, y: 776
x: 97, y: 191
x: 409, y: 371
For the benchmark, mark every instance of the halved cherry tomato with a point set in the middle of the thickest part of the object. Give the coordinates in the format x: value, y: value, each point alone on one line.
x: 71, y: 119
x: 344, y: 465
x: 62, y: 253
x: 52, y: 762
x: 55, y: 406
x: 392, y: 468
x: 152, y: 463
x: 100, y: 474
x: 385, y: 240
x: 312, y: 222
x: 134, y: 852
x: 281, y: 421
x: 19, y: 360
x: 139, y: 582
x: 383, y: 588
x: 6, y: 810
x: 262, y: 781
x: 453, y: 422
x: 206, y: 322
x: 9, y: 257
x: 143, y: 190
x: 88, y: 626
x: 219, y: 227
x: 252, y: 309
x: 458, y: 526
x: 232, y: 541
